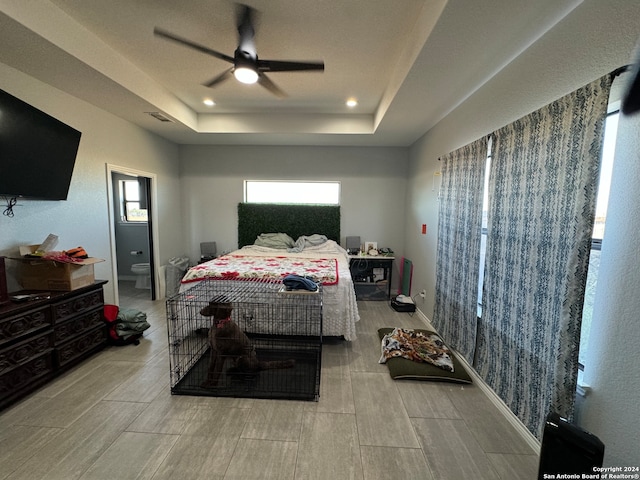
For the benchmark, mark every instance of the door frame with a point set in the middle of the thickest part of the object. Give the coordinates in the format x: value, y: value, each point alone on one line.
x: 153, y: 224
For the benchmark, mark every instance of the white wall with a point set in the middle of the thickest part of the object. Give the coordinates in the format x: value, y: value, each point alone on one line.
x: 596, y: 38
x: 611, y: 370
x: 373, y: 182
x: 83, y: 218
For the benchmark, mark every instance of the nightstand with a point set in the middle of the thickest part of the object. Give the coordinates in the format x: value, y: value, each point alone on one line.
x: 371, y: 276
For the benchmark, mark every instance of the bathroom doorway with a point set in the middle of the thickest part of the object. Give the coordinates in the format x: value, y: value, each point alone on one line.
x: 133, y: 255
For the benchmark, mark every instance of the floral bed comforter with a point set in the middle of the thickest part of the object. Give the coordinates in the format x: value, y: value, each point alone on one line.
x: 276, y: 267
x: 328, y: 263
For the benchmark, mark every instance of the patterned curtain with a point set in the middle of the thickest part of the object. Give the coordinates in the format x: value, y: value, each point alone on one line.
x: 542, y: 188
x: 458, y: 257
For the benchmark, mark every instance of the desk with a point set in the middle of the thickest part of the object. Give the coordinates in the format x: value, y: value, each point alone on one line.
x: 371, y: 276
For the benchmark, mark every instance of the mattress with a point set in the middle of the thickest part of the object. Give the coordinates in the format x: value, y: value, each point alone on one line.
x: 327, y: 263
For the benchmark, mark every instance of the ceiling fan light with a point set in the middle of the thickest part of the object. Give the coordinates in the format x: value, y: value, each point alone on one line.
x: 246, y: 75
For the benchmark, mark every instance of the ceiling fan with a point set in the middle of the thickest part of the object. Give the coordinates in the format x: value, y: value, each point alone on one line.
x: 247, y: 67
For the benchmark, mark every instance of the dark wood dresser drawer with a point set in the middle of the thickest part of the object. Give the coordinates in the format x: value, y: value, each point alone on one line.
x: 22, y: 352
x: 36, y: 368
x: 76, y: 305
x: 78, y: 325
x: 87, y: 342
x: 15, y: 327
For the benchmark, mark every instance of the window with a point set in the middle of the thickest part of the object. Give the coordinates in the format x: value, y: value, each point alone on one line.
x: 131, y: 202
x: 606, y: 167
x: 267, y: 191
x: 485, y: 220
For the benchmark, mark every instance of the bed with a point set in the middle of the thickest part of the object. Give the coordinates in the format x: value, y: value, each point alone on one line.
x: 271, y: 257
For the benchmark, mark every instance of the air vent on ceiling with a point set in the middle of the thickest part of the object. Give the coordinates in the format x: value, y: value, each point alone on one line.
x: 158, y: 116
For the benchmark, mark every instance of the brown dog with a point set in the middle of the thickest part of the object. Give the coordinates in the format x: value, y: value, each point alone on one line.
x: 227, y: 340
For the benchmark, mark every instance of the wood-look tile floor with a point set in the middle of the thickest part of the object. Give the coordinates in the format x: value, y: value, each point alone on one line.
x: 113, y: 418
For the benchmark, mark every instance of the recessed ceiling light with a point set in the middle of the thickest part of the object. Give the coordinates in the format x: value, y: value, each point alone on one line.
x: 352, y: 102
x: 208, y: 102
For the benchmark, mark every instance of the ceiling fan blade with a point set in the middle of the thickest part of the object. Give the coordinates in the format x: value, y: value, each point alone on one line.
x: 219, y: 78
x: 287, y: 66
x: 188, y: 43
x: 269, y: 85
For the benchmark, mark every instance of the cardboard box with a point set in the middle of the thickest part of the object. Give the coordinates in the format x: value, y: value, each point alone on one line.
x: 38, y: 274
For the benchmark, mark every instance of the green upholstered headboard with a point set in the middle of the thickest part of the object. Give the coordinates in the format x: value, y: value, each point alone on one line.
x: 294, y: 220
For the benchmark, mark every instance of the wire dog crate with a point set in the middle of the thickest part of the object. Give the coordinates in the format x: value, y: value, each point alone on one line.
x: 281, y: 333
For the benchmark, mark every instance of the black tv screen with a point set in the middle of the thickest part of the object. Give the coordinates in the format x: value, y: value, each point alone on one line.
x: 37, y: 152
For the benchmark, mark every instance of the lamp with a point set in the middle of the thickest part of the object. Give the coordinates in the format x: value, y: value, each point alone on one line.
x: 246, y: 65
x: 245, y: 75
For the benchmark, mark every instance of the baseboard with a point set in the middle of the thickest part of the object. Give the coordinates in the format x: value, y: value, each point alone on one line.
x: 502, y: 407
x: 425, y: 319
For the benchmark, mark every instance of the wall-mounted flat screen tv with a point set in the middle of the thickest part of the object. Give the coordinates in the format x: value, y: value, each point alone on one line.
x: 37, y: 152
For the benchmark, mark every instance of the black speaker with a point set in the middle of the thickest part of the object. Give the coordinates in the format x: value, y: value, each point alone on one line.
x: 568, y: 449
x: 353, y: 245
x: 208, y: 251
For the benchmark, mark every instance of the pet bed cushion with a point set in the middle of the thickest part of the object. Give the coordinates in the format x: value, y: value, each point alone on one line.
x: 403, y: 368
x: 417, y: 346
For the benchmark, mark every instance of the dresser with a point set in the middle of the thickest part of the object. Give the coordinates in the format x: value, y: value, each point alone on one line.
x: 40, y: 339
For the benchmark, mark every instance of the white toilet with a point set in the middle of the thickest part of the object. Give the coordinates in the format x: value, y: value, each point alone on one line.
x: 142, y: 271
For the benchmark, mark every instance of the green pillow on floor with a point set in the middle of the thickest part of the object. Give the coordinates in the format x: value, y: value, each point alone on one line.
x: 401, y: 368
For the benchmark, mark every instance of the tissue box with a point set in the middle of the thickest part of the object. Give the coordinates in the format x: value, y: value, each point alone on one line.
x: 38, y: 274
